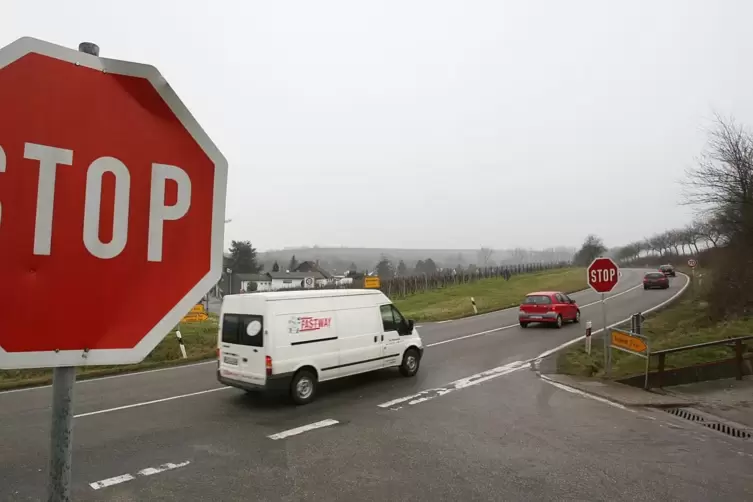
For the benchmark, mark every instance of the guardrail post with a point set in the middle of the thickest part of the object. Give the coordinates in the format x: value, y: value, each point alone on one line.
x: 660, y: 370
x: 739, y: 358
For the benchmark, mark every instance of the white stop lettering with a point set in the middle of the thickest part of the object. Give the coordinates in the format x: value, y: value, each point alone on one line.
x: 50, y: 157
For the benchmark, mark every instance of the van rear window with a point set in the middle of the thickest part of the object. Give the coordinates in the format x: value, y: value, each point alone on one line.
x: 235, y: 329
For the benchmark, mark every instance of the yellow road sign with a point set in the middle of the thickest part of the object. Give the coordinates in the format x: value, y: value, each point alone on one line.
x: 371, y: 282
x: 195, y: 317
x: 623, y: 340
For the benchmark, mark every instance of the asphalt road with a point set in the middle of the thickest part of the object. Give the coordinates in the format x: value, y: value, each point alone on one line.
x: 475, y: 424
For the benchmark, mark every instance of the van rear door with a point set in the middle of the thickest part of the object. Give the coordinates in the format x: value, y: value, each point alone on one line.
x: 242, y: 354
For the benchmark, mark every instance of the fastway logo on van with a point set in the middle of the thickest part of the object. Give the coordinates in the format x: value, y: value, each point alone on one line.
x: 302, y: 324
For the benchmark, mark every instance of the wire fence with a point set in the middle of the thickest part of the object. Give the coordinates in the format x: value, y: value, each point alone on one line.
x: 401, y: 287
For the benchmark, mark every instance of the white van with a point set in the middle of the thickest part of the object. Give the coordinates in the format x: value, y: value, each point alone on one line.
x: 293, y: 340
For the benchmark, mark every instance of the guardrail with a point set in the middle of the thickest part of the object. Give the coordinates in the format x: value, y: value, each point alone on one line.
x: 736, y: 342
x: 635, y: 343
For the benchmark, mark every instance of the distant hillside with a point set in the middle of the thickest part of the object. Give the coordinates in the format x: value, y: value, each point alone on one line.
x: 339, y: 259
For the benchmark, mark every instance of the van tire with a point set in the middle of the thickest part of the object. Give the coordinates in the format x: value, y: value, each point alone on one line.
x: 303, y: 387
x: 411, y: 362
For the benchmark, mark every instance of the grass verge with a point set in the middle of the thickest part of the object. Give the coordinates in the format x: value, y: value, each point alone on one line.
x: 490, y: 294
x: 200, y: 339
x: 684, y: 322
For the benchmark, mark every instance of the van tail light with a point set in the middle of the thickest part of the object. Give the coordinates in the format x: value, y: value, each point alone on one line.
x: 268, y: 361
x: 218, y: 352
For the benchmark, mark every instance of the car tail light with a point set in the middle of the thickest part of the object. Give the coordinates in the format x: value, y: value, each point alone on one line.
x: 268, y: 361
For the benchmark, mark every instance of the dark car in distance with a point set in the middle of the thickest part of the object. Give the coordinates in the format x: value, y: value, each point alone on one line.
x: 667, y: 270
x: 655, y: 280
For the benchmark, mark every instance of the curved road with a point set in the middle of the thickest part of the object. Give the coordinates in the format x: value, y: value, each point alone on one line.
x: 475, y: 424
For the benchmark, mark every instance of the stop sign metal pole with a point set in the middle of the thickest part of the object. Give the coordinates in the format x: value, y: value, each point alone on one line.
x: 61, y: 433
x: 607, y: 336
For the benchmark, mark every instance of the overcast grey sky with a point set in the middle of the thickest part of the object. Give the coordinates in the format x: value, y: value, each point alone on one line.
x: 435, y: 123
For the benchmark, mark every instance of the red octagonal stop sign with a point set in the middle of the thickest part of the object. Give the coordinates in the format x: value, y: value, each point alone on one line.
x: 112, y: 203
x: 603, y: 274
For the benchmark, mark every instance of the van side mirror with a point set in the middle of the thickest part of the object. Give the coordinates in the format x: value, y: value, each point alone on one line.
x: 410, y: 326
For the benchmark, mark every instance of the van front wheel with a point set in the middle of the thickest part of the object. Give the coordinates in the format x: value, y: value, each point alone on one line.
x: 411, y: 362
x: 303, y: 387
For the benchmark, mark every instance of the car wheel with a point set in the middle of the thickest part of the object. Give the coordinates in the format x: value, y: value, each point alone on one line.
x: 577, y: 316
x: 411, y: 362
x: 523, y: 324
x: 303, y: 387
x: 645, y: 287
x: 558, y: 322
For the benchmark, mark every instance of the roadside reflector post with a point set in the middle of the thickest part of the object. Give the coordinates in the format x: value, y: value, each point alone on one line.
x: 180, y: 343
x: 473, y: 302
x: 588, y: 337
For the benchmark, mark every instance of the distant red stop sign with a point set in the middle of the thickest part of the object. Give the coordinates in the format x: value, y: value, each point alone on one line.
x: 112, y: 203
x: 603, y: 274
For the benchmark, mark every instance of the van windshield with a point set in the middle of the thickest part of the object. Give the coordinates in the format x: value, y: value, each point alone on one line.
x: 235, y: 330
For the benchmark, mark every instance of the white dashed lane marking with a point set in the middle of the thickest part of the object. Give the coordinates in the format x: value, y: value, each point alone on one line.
x: 303, y: 428
x: 149, y: 471
x: 463, y: 383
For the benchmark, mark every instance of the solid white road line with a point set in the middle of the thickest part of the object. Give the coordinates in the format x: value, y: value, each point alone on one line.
x: 303, y: 428
x: 149, y: 471
x: 472, y: 335
x: 573, y: 390
x: 145, y: 403
x: 110, y: 377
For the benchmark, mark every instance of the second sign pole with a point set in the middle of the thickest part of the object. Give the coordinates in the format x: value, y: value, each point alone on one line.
x: 607, y: 352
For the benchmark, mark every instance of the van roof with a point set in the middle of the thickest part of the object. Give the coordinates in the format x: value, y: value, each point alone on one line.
x: 312, y: 293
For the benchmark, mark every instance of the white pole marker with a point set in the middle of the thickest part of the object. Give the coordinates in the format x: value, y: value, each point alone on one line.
x: 180, y: 342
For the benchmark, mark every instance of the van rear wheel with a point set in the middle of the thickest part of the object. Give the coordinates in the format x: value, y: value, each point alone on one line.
x: 303, y: 387
x: 411, y: 362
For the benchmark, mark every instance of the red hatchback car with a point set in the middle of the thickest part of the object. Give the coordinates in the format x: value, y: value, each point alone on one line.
x: 552, y: 307
x: 655, y: 280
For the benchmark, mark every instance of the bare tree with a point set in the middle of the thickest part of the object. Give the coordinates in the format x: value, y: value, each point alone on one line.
x: 692, y: 236
x: 484, y: 255
x: 722, y: 183
x: 710, y: 229
x: 673, y: 239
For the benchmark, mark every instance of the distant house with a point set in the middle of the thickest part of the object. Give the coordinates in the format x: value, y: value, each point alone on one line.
x: 262, y: 282
x: 288, y: 280
x: 312, y: 266
x: 307, y: 275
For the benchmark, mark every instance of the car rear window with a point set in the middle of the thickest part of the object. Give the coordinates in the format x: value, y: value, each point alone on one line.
x: 537, y: 300
x: 655, y: 275
x: 235, y: 330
